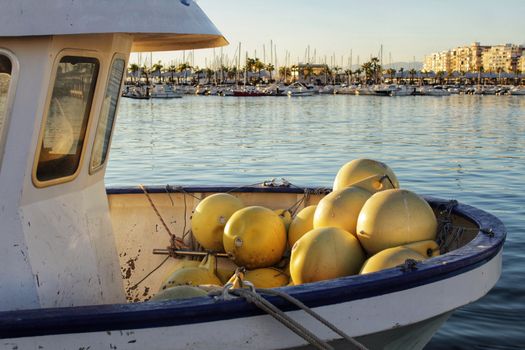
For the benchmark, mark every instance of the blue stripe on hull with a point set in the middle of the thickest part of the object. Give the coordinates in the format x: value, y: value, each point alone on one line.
x: 83, y: 319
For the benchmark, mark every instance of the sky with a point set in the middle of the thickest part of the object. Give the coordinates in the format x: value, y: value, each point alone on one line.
x: 407, y: 29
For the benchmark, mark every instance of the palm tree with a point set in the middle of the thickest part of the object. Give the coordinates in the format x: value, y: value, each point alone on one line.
x: 133, y: 69
x: 412, y: 73
x: 367, y: 69
x: 294, y: 70
x: 258, y: 66
x: 284, y: 73
x: 145, y: 72
x: 357, y: 73
x: 270, y: 68
x: 157, y: 68
x: 348, y: 74
x: 375, y: 69
x: 172, y: 69
x: 439, y: 76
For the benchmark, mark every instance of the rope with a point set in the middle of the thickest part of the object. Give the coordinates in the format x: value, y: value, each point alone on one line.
x: 315, y: 315
x: 176, y: 242
x: 239, y: 287
x: 272, y: 310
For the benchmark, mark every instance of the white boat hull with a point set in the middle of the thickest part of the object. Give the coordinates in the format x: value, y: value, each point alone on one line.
x: 404, y: 319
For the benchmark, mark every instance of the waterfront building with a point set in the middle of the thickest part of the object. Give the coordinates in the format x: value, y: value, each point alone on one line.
x: 502, y: 58
x: 437, y: 62
x: 459, y: 59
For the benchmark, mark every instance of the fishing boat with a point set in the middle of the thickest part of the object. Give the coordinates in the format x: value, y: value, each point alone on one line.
x: 78, y: 262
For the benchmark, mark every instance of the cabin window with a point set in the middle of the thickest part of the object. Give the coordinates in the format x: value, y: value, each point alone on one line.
x: 107, y: 115
x: 5, y: 80
x: 67, y: 118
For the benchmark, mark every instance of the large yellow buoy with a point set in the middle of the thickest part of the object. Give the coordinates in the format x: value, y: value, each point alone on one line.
x: 426, y: 248
x: 395, y: 217
x: 194, y: 275
x: 179, y: 292
x: 388, y: 258
x: 267, y: 277
x: 210, y: 217
x: 325, y: 253
x: 301, y: 223
x: 255, y: 236
x: 360, y: 169
x: 341, y: 208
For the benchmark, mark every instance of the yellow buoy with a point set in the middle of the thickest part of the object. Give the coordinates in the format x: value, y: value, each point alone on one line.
x: 267, y: 277
x: 325, y: 253
x: 359, y: 169
x: 285, y: 216
x: 225, y: 269
x: 194, y: 275
x: 395, y: 217
x: 210, y: 217
x: 179, y: 292
x: 255, y: 236
x: 388, y: 258
x: 426, y: 248
x: 341, y: 208
x: 301, y: 223
x: 177, y: 264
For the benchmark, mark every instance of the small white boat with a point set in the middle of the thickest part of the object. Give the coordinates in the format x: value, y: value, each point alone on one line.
x: 435, y: 91
x: 164, y: 91
x: 298, y: 89
x: 394, y: 90
x: 517, y: 91
x: 77, y: 258
x: 346, y: 90
x: 365, y: 90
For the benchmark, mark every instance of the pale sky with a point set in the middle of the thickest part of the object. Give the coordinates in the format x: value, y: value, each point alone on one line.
x: 407, y: 29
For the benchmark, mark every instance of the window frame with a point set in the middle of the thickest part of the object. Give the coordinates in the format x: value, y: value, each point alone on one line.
x: 74, y: 53
x: 11, y: 92
x: 116, y: 56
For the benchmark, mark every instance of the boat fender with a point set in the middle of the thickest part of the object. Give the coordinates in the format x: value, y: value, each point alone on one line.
x: 267, y: 277
x: 210, y: 217
x: 301, y: 223
x: 325, y: 253
x: 389, y: 258
x: 255, y: 236
x: 394, y: 217
x: 341, y: 208
x: 205, y: 273
x: 360, y: 169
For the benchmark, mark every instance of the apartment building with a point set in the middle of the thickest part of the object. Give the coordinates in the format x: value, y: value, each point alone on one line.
x: 498, y: 58
x: 502, y: 58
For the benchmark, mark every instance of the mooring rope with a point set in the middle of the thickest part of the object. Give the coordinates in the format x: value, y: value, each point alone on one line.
x: 238, y: 287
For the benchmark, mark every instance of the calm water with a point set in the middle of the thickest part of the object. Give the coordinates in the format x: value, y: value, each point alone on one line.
x: 469, y: 148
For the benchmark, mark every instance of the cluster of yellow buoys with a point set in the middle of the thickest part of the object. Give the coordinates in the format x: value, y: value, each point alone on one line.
x: 365, y: 225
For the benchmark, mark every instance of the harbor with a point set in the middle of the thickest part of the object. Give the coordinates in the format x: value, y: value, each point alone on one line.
x: 469, y: 148
x: 260, y: 202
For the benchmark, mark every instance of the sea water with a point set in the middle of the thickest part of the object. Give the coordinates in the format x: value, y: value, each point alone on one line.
x: 469, y: 148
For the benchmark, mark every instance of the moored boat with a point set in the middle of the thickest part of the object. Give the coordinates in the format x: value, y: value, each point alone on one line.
x: 78, y: 262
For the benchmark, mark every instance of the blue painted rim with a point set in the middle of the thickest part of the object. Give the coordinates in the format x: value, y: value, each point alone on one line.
x: 486, y: 245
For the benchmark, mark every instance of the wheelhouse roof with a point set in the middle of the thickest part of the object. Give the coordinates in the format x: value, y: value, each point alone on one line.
x: 156, y: 25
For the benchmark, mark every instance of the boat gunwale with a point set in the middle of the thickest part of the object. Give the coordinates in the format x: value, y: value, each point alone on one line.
x: 487, y: 243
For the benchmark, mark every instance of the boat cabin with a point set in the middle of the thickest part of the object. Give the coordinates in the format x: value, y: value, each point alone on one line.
x: 62, y: 65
